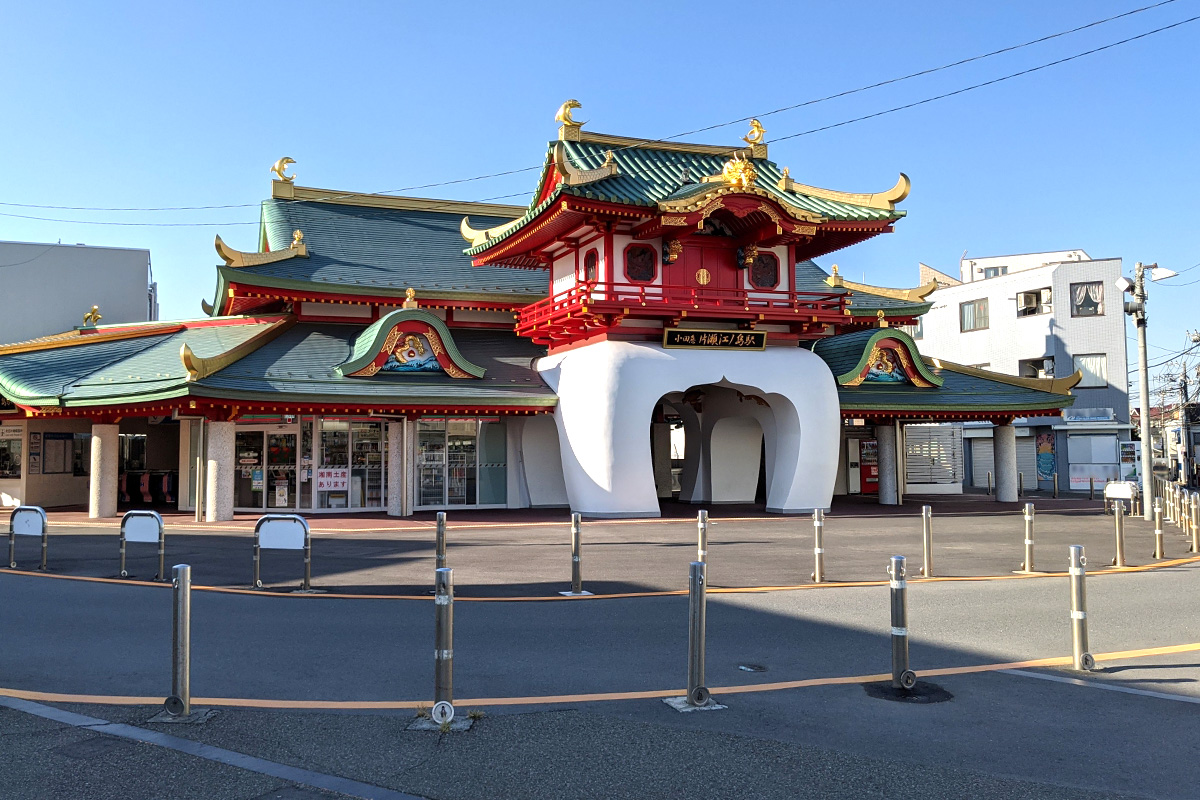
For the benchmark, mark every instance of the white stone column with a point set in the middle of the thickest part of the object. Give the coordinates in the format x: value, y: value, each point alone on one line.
x: 885, y: 434
x: 395, y: 468
x: 218, y: 493
x: 102, y: 483
x: 1004, y: 448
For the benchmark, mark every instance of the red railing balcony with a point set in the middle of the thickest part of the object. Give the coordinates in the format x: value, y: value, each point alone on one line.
x: 594, y: 305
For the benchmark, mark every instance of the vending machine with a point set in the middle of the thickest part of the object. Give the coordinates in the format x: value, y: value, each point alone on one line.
x: 862, y: 466
x: 869, y: 459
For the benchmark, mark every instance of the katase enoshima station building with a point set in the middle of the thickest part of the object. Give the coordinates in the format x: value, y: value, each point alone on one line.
x: 378, y: 353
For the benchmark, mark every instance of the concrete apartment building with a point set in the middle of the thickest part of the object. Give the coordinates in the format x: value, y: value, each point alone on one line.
x: 1040, y: 315
x: 47, y: 289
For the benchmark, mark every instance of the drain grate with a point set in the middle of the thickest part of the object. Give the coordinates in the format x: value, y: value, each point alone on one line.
x: 752, y: 668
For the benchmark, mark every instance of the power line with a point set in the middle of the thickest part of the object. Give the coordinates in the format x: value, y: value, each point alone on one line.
x: 988, y: 83
x: 647, y: 142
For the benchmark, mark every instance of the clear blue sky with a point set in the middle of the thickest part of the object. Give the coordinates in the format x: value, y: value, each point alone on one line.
x: 164, y: 104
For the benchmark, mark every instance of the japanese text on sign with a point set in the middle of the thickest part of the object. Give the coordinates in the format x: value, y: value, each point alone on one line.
x: 715, y: 340
x: 333, y: 480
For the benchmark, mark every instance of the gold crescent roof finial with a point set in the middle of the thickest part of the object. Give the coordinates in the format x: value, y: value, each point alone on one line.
x: 756, y: 134
x: 564, y: 114
x: 279, y: 166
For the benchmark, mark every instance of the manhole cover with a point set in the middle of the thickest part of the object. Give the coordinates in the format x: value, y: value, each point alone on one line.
x: 922, y: 693
x: 752, y: 668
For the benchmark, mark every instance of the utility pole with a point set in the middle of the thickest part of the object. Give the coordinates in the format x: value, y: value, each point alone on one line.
x: 1185, y: 446
x: 1137, y: 310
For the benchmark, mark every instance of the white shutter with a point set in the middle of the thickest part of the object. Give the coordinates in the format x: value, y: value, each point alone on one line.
x: 982, y: 462
x: 1027, y: 460
x: 933, y: 455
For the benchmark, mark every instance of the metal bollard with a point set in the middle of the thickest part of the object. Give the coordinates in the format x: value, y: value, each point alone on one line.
x: 818, y: 575
x: 1027, y: 564
x: 1091, y: 488
x: 702, y: 536
x: 1020, y: 484
x: 1055, y: 485
x: 1195, y: 503
x: 440, y: 541
x: 1079, y: 634
x: 1119, y: 523
x: 902, y: 676
x: 927, y: 540
x: 697, y: 692
x: 443, y: 653
x: 179, y: 704
x: 989, y: 482
x: 576, y: 554
x: 1158, y: 543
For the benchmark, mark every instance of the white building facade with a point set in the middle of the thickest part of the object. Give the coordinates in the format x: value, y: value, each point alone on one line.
x: 1041, y: 315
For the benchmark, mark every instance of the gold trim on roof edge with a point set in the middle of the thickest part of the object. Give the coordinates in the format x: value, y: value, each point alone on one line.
x: 573, y: 176
x: 238, y: 259
x: 199, y: 368
x: 1061, y: 386
x: 753, y: 151
x: 478, y: 237
x: 289, y: 191
x: 882, y: 200
x: 916, y: 295
x: 699, y: 201
x: 94, y: 336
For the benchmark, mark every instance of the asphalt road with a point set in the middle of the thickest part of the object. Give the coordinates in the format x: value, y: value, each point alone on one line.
x: 503, y: 555
x: 1005, y: 734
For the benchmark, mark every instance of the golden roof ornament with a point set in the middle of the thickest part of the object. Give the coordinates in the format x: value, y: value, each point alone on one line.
x: 279, y: 166
x: 569, y: 131
x: 739, y: 172
x: 834, y: 279
x: 755, y: 136
x: 410, y: 298
x: 881, y: 318
x: 92, y: 317
x: 297, y: 239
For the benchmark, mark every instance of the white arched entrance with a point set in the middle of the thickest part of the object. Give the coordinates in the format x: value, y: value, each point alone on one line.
x: 734, y: 449
x: 607, y: 392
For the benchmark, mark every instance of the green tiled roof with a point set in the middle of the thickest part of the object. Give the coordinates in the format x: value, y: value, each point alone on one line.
x: 958, y: 392
x: 647, y: 176
x: 128, y: 370
x: 301, y: 365
x: 359, y: 249
x: 847, y: 354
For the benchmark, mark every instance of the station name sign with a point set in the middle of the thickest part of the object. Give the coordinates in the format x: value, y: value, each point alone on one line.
x: 692, y: 339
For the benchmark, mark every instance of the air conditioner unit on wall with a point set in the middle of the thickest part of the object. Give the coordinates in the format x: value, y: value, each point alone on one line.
x: 1028, y: 300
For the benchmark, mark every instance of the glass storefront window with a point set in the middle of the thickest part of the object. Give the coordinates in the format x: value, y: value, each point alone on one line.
x: 461, y: 462
x: 306, y: 463
x: 366, y: 468
x: 10, y: 458
x: 333, y: 473
x: 281, y: 470
x: 251, y: 481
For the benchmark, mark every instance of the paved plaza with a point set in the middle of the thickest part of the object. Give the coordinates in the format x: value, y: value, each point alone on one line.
x: 314, y: 693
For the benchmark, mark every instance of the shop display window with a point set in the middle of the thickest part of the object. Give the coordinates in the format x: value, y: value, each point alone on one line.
x: 461, y: 462
x: 333, y: 473
x: 10, y: 458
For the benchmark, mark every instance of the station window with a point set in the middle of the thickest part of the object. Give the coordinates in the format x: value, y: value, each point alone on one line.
x: 1030, y: 304
x: 1087, y: 299
x: 591, y: 264
x: 10, y: 457
x: 641, y: 263
x: 764, y: 272
x: 1094, y: 367
x: 973, y: 315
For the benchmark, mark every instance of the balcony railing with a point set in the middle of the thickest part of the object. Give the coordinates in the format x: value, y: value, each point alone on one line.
x: 656, y: 300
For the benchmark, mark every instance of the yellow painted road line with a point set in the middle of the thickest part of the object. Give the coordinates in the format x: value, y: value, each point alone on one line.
x: 746, y: 688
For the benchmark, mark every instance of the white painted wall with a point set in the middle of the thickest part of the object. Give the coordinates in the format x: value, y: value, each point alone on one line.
x: 58, y: 284
x: 972, y: 269
x: 607, y: 392
x: 736, y: 452
x: 563, y: 273
x: 543, y: 463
